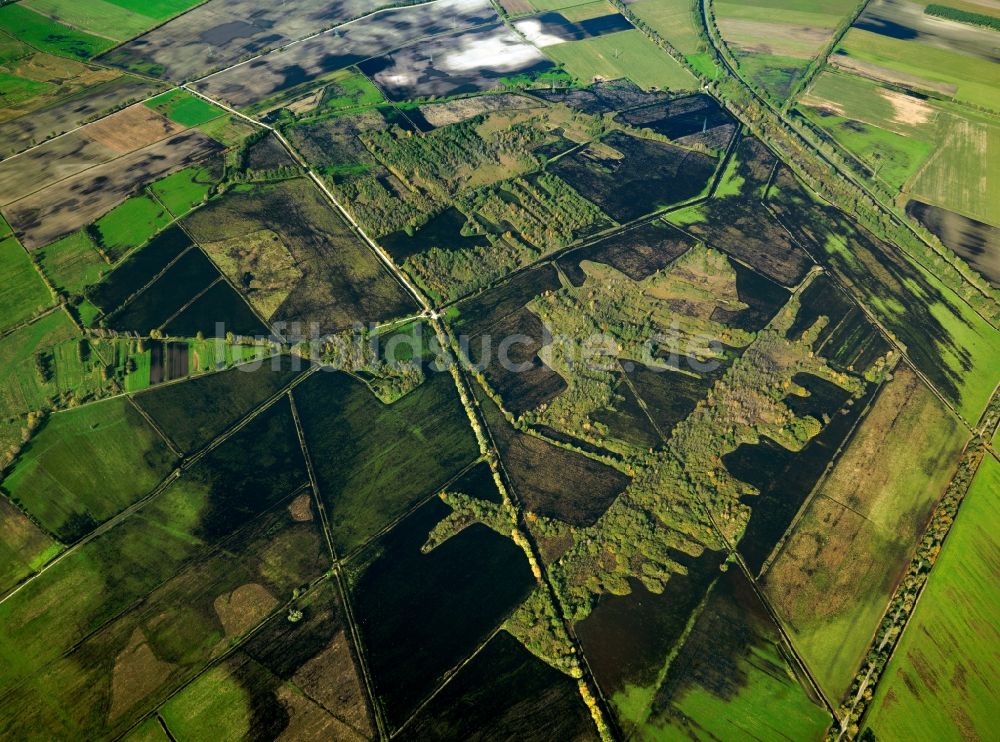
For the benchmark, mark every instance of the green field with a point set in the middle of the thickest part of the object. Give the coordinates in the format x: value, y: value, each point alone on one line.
x: 343, y: 90
x: 157, y: 9
x: 15, y: 89
x: 189, y: 574
x: 624, y: 54
x: 962, y: 175
x: 675, y: 20
x: 861, y: 99
x: 96, y: 16
x: 773, y: 73
x: 823, y: 13
x: 373, y: 460
x: 12, y: 50
x: 892, y: 157
x: 543, y: 5
x: 739, y: 389
x: 775, y: 41
x: 730, y: 678
x: 117, y: 19
x: 149, y: 731
x: 192, y: 414
x: 86, y: 465
x: 216, y: 706
x: 943, y: 682
x: 976, y: 355
x: 227, y: 130
x: 767, y: 705
x: 24, y: 547
x: 350, y: 90
x: 23, y: 293
x: 977, y: 81
x: 837, y: 570
x: 48, y: 35
x: 130, y: 225
x: 72, y: 263
x: 892, y: 133
x: 21, y: 389
x: 185, y: 189
x: 184, y: 108
x: 961, y: 355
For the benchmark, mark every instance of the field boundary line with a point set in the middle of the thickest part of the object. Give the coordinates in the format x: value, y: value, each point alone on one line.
x: 357, y: 648
x: 642, y: 403
x: 131, y: 297
x: 447, y: 677
x: 107, y: 525
x: 723, y: 54
x: 599, y: 711
x: 191, y: 301
x: 75, y: 27
x: 508, y: 493
x: 215, y: 661
x: 248, y: 418
x: 32, y: 320
x: 799, y: 660
x: 130, y: 39
x: 313, y: 484
x: 153, y: 424
x: 57, y: 181
x: 888, y: 635
x: 167, y: 480
x: 733, y: 549
x: 947, y: 141
x: 344, y: 214
x: 170, y: 382
x: 184, y: 566
x: 223, y: 276
x: 711, y: 244
x: 375, y: 701
x: 886, y: 335
x: 163, y: 725
x: 727, y: 156
x: 347, y: 557
x: 818, y: 62
x: 834, y: 460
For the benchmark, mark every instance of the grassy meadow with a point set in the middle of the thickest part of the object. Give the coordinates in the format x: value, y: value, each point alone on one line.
x: 892, y: 133
x: 130, y: 224
x: 184, y: 108
x: 961, y: 175
x: 775, y: 41
x: 189, y: 573
x: 22, y: 388
x: 48, y: 35
x: 72, y: 263
x: 116, y: 19
x: 24, y: 547
x: 975, y: 81
x: 23, y: 293
x: 835, y: 573
x: 624, y: 54
x: 182, y: 191
x: 95, y: 16
x: 942, y: 681
x: 86, y: 465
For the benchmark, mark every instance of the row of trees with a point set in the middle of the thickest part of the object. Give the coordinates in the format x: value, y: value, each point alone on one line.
x: 904, y: 600
x: 812, y: 159
x: 963, y: 16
